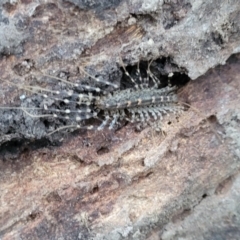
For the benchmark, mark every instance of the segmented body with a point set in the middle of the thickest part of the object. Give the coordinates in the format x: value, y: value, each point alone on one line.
x: 137, y: 105
x: 77, y: 103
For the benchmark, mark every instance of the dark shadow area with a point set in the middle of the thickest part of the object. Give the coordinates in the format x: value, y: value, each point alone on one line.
x: 163, y: 69
x: 13, y: 149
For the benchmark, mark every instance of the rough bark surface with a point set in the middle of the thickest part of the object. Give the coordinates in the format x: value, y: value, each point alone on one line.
x: 123, y: 185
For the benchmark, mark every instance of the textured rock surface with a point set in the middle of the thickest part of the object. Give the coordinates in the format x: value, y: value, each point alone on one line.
x: 126, y: 185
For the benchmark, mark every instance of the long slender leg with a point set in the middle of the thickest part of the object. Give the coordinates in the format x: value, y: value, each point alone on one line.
x: 59, y: 96
x: 105, y: 122
x: 155, y: 80
x: 141, y: 85
x: 114, y: 121
x: 136, y: 86
x: 153, y: 113
x: 86, y: 115
x: 122, y: 114
x: 74, y: 127
x: 133, y: 115
x: 81, y: 87
x: 158, y: 112
x: 101, y: 81
x: 77, y: 85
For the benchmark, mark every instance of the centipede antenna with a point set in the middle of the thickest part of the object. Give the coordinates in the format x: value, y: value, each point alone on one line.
x: 18, y: 86
x: 29, y: 88
x: 20, y: 108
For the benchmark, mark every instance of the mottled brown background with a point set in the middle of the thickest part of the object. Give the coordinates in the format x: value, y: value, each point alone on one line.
x: 126, y: 185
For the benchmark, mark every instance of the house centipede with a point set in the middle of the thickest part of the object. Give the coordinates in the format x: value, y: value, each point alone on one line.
x: 144, y: 101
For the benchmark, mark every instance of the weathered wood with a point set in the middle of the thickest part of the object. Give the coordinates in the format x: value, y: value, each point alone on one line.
x: 124, y: 185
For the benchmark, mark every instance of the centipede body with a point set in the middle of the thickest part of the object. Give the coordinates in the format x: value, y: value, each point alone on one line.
x: 144, y: 101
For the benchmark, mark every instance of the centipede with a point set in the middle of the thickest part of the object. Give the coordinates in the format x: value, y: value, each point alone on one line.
x: 144, y: 100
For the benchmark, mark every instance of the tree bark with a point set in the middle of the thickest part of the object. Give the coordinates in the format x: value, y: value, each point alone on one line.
x: 181, y: 183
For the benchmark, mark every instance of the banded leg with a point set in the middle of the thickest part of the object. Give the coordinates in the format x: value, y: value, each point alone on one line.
x: 105, y: 122
x: 77, y: 117
x: 57, y: 95
x: 133, y: 115
x: 158, y: 112
x: 141, y: 85
x: 101, y: 81
x: 153, y: 113
x: 122, y: 114
x: 155, y: 80
x: 73, y: 127
x: 136, y: 86
x: 145, y: 111
x: 139, y: 111
x: 114, y: 121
